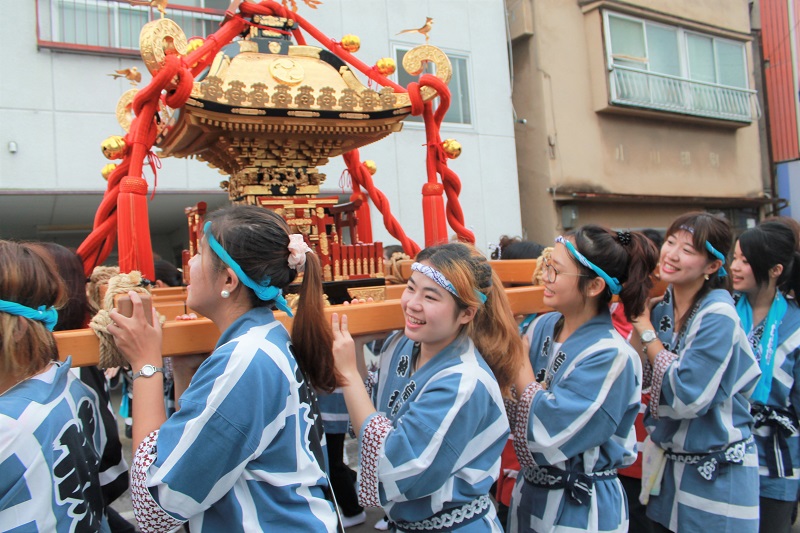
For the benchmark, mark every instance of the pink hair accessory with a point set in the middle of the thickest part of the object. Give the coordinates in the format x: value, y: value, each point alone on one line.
x: 297, y: 252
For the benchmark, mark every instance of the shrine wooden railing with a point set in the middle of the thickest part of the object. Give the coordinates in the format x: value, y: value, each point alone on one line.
x: 200, y: 336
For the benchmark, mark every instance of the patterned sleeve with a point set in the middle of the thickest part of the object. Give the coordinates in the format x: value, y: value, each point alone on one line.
x: 150, y: 517
x: 579, y: 412
x: 373, y: 437
x: 700, y: 378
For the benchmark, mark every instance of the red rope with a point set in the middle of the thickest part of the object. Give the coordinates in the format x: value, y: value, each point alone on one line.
x: 362, y: 177
x: 436, y: 161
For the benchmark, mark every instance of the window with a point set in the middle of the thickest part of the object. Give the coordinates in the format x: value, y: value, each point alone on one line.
x: 114, y: 25
x: 460, y: 111
x: 673, y: 69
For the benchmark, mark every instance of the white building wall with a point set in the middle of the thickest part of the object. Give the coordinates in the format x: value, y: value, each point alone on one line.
x: 58, y: 107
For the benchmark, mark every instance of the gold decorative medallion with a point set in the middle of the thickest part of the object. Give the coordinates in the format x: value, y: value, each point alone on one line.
x: 286, y: 70
x: 157, y: 38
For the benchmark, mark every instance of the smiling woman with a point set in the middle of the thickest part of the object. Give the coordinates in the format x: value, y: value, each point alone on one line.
x: 579, y: 392
x: 430, y: 451
x: 702, y: 371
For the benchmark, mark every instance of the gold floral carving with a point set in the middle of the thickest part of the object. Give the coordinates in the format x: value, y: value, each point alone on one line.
x: 235, y: 93
x: 326, y: 99
x: 212, y: 88
x: 281, y: 96
x: 348, y: 101
x: 370, y: 100
x: 259, y: 96
x: 305, y: 96
x: 157, y: 38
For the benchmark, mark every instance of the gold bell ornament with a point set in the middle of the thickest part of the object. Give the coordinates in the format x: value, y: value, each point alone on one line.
x: 114, y: 147
x: 351, y: 43
x: 385, y: 66
x: 107, y: 170
x: 452, y: 148
x: 371, y: 166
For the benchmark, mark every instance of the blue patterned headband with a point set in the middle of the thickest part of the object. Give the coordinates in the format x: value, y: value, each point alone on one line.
x: 47, y: 316
x: 613, y: 283
x: 442, y: 281
x: 263, y: 289
x: 713, y: 251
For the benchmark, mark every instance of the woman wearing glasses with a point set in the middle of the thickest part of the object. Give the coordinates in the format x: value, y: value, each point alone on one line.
x: 579, y: 396
x: 703, y: 371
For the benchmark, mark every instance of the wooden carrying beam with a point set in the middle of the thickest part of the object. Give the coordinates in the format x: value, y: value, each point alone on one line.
x: 200, y: 336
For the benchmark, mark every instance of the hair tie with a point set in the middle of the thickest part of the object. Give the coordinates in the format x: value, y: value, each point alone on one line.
x: 46, y: 315
x: 297, y: 252
x: 624, y: 237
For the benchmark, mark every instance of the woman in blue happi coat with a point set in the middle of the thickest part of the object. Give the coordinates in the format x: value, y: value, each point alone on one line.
x: 765, y: 272
x: 432, y: 433
x: 245, y: 452
x: 702, y: 456
x: 578, y: 397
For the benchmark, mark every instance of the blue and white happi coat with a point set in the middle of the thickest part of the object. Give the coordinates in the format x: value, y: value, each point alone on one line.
x: 778, y: 439
x: 335, y: 418
x: 245, y: 452
x: 577, y: 430
x: 52, y: 445
x: 706, y: 376
x: 432, y: 452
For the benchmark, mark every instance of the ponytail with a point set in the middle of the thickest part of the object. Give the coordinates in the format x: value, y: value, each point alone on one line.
x: 643, y: 258
x: 496, y: 336
x: 312, y: 336
x: 630, y: 257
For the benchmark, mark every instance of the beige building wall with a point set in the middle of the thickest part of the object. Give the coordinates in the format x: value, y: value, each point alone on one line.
x: 640, y: 163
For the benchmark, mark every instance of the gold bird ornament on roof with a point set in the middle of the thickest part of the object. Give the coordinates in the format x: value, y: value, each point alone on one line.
x: 424, y: 30
x: 131, y: 74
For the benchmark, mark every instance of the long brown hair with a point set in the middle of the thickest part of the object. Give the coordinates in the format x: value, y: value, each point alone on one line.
x: 258, y: 240
x: 493, y: 330
x: 28, y: 278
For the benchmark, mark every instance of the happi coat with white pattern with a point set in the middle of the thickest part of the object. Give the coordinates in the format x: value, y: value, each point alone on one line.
x: 245, y: 452
x: 707, y: 375
x: 53, y: 468
x: 582, y: 422
x: 784, y: 395
x: 434, y: 446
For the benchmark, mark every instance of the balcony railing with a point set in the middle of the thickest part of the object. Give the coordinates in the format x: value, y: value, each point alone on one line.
x: 111, y: 26
x: 640, y: 88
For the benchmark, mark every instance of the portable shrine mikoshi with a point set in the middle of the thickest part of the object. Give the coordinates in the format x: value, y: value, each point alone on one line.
x: 268, y: 109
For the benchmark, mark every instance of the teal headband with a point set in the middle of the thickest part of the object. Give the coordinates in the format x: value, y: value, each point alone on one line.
x: 713, y: 251
x: 613, y: 283
x: 47, y: 316
x: 264, y: 291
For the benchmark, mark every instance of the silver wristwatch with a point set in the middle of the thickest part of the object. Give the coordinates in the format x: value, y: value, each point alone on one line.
x: 148, y: 371
x: 647, y: 337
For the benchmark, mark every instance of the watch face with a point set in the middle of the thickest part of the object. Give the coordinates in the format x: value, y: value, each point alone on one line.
x: 148, y: 370
x: 648, y: 336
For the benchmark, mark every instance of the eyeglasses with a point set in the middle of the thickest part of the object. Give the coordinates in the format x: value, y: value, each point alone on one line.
x: 551, y: 274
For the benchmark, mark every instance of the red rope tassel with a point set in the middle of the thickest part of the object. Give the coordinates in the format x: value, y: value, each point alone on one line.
x: 135, y: 248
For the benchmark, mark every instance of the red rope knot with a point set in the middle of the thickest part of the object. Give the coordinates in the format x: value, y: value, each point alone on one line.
x: 133, y: 185
x: 345, y: 180
x: 432, y: 189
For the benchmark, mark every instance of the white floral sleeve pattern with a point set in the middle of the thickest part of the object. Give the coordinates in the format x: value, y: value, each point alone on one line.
x: 662, y: 362
x: 520, y: 424
x: 372, y: 441
x: 149, y: 515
